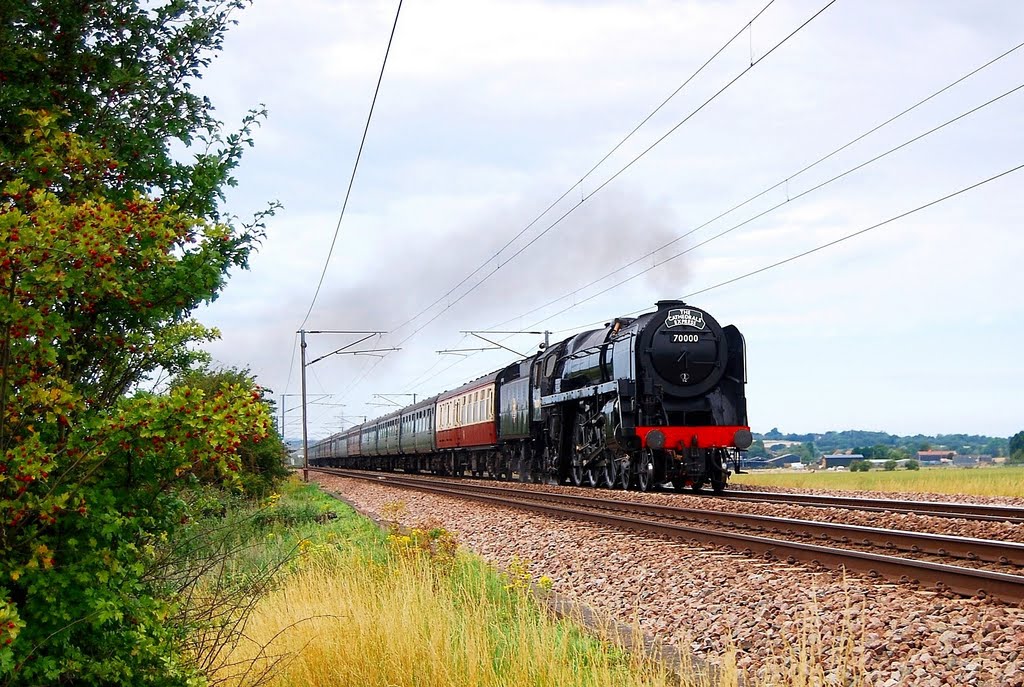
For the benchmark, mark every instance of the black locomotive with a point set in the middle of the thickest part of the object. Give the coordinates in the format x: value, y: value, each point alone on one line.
x: 642, y: 401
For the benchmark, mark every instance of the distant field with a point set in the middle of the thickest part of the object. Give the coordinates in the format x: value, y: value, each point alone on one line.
x: 988, y: 481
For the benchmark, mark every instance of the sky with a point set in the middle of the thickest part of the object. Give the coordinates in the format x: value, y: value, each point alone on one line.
x: 491, y: 111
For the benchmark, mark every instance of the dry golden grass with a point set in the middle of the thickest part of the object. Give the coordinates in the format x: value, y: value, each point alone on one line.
x: 346, y: 620
x: 986, y: 481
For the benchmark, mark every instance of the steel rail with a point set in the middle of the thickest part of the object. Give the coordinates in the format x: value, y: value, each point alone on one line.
x: 959, y: 580
x: 969, y: 548
x: 945, y: 509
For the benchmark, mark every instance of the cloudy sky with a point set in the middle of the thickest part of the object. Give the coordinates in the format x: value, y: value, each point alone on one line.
x: 490, y: 111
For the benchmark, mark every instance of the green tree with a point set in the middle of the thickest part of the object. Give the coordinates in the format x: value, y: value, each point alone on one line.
x: 912, y: 465
x: 860, y: 466
x: 899, y: 454
x: 95, y: 296
x: 1016, y: 443
x: 757, y: 450
x: 880, y: 452
x: 890, y: 465
x: 120, y: 72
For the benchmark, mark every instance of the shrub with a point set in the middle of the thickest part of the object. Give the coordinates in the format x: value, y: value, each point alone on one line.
x: 912, y: 465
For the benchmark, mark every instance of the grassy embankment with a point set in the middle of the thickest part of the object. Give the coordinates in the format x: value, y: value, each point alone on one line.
x: 358, y: 606
x: 988, y: 481
x: 362, y: 607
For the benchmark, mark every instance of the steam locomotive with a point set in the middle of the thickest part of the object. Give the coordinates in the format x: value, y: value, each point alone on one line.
x: 640, y: 402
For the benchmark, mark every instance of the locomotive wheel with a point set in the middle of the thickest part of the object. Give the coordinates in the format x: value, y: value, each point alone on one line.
x: 576, y: 475
x: 643, y: 480
x: 609, y: 472
x: 579, y: 473
x: 625, y: 476
x: 719, y: 475
x: 645, y: 471
x: 698, y: 485
x: 590, y: 477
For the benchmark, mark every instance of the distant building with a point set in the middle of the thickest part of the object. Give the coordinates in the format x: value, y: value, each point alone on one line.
x: 935, y: 457
x: 755, y: 464
x: 787, y: 459
x: 840, y: 460
x: 969, y: 461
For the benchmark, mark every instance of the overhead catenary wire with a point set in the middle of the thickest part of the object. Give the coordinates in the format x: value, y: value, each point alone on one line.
x: 857, y: 233
x: 355, y: 167
x: 781, y: 182
x: 627, y: 166
x: 823, y: 246
x: 593, y: 168
x: 291, y: 365
x: 789, y: 199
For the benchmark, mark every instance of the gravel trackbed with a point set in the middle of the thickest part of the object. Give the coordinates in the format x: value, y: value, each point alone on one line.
x: 770, y: 613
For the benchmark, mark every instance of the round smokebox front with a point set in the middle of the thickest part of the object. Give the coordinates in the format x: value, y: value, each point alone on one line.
x: 686, y: 349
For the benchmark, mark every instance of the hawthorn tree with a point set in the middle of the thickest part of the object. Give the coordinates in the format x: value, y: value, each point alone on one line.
x: 260, y: 459
x: 95, y: 296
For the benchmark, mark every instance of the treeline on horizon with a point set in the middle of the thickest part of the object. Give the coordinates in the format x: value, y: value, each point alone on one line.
x: 970, y: 444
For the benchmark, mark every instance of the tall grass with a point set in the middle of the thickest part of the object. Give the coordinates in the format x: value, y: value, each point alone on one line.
x: 986, y: 481
x: 347, y: 619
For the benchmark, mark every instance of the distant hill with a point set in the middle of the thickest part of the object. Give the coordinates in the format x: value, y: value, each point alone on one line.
x: 830, y: 442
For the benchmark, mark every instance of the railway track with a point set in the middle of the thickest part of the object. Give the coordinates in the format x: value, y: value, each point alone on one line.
x: 968, y: 511
x: 721, y: 529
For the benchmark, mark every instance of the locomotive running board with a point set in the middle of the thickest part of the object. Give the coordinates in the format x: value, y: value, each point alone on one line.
x: 585, y: 392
